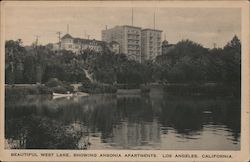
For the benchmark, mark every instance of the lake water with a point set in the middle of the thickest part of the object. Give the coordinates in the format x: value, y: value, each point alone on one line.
x: 155, y: 121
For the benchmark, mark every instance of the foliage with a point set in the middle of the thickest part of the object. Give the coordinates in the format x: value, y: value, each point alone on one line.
x: 43, y: 89
x: 58, y: 86
x: 145, y: 89
x: 34, y: 64
x: 12, y: 92
x: 14, y: 60
x: 43, y: 133
x: 54, y: 82
x: 188, y: 62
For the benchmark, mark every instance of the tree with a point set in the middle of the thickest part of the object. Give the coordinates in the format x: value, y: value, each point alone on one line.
x: 232, y: 61
x: 30, y: 69
x: 185, y: 63
x: 14, y: 57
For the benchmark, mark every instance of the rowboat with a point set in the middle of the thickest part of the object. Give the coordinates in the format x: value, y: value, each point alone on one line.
x: 207, y: 112
x: 62, y: 94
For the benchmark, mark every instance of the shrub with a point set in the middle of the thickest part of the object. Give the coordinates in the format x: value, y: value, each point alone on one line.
x: 54, y: 82
x: 145, y: 89
x: 59, y: 86
x: 44, y: 89
x: 59, y: 89
x: 68, y: 87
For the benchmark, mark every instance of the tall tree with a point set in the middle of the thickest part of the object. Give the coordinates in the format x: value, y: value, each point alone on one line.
x: 14, y: 56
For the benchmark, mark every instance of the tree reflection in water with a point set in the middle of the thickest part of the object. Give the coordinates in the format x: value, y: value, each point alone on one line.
x: 126, y: 122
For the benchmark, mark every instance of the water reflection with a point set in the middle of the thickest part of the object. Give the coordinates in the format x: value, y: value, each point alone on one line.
x: 123, y: 122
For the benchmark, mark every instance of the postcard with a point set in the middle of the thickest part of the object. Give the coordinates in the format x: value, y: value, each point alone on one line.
x: 125, y: 81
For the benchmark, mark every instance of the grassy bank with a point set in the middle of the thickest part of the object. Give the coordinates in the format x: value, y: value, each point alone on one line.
x: 96, y: 88
x: 12, y: 92
x: 53, y: 85
x: 203, y: 89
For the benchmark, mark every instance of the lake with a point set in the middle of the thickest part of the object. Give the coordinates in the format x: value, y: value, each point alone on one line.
x: 156, y: 121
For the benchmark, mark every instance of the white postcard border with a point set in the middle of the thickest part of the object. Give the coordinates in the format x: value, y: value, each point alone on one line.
x: 240, y: 156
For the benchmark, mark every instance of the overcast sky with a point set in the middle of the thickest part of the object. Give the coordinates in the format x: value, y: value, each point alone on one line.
x: 203, y: 25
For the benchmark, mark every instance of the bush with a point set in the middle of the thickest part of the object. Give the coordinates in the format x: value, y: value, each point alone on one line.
x: 59, y: 89
x: 53, y: 82
x: 44, y: 89
x: 68, y: 88
x: 59, y: 86
x: 145, y: 89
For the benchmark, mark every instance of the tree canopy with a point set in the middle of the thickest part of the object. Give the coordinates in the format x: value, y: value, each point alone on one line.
x: 188, y: 62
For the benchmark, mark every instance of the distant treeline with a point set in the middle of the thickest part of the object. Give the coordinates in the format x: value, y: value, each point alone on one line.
x: 188, y: 62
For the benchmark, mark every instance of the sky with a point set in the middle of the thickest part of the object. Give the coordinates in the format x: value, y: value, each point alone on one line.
x: 202, y: 25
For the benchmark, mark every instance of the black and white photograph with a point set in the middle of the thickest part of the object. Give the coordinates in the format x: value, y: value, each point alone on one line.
x: 80, y: 77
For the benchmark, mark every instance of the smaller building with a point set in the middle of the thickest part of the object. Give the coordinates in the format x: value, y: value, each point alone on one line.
x: 166, y: 47
x: 77, y: 45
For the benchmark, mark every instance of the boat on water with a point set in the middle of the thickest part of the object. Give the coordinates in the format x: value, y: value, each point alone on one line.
x: 59, y: 95
x: 207, y: 112
x: 62, y: 94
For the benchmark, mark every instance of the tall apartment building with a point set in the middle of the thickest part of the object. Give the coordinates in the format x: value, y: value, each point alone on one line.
x: 129, y: 39
x: 151, y: 44
x: 137, y: 43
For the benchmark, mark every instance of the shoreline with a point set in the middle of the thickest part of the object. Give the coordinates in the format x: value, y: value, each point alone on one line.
x: 170, y: 88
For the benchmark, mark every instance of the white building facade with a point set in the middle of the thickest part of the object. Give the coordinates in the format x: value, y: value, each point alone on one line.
x: 129, y: 39
x: 137, y: 43
x: 151, y: 44
x: 77, y: 45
